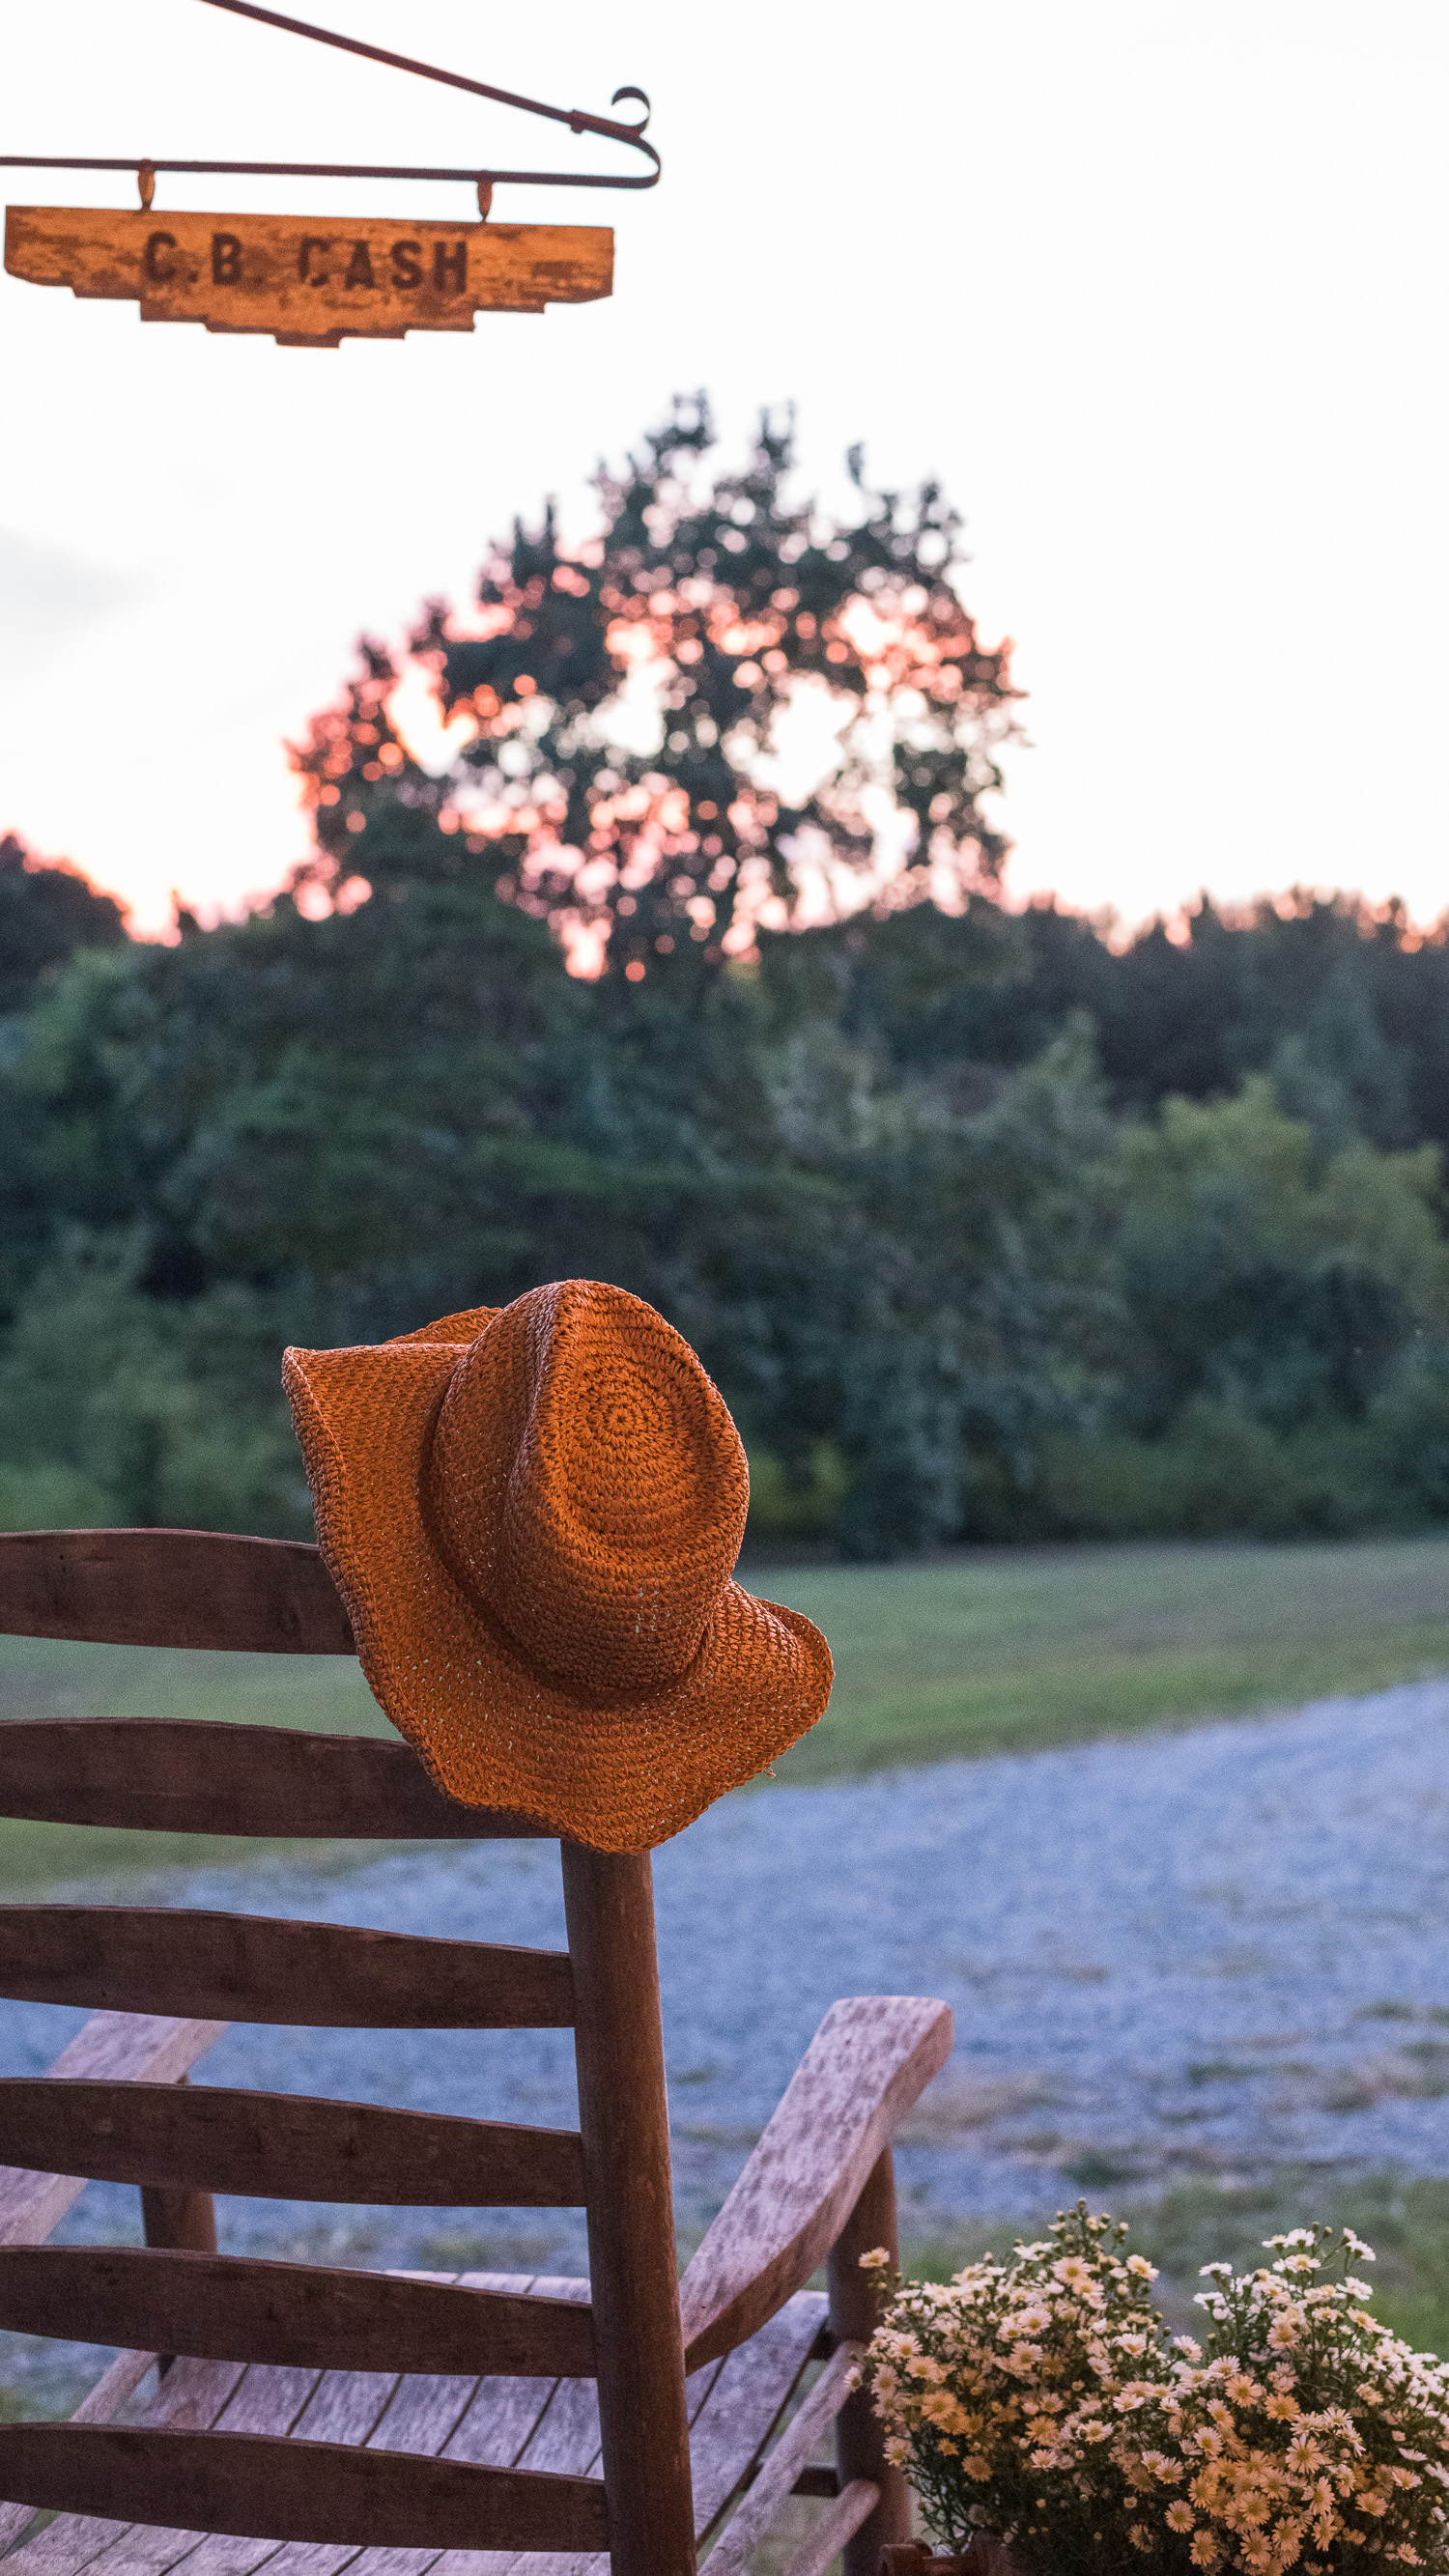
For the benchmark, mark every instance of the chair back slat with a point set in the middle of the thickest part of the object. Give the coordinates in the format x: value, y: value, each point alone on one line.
x: 170, y: 1588
x: 285, y: 2146
x: 240, y: 2307
x: 145, y: 1587
x: 264, y: 2488
x: 193, y: 1776
x: 260, y: 1967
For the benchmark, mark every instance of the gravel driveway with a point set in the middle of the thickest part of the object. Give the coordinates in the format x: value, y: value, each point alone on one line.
x: 1211, y: 1952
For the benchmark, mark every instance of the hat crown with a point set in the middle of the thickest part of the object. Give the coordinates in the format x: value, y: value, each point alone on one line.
x: 589, y: 1486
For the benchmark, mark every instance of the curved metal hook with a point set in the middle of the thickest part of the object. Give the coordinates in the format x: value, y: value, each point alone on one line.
x: 579, y: 120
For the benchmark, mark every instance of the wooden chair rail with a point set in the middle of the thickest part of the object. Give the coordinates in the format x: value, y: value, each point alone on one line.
x: 741, y: 2399
x: 835, y: 2530
x: 118, y: 2382
x: 127, y: 2047
x: 258, y: 2487
x: 149, y: 1587
x: 256, y: 1967
x: 532, y: 2424
x: 752, y: 2518
x: 230, y: 2307
x: 870, y: 2058
x: 203, y: 1776
x: 286, y: 2146
x: 314, y: 2405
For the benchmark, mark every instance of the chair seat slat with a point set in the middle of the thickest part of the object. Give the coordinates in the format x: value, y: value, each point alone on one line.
x: 423, y: 2412
x: 346, y: 2406
x: 154, y: 2551
x: 266, y: 2399
x: 567, y: 2434
x: 188, y: 1775
x: 746, y: 2394
x: 193, y: 2395
x: 286, y: 2146
x: 752, y: 2517
x: 69, y: 2545
x: 145, y: 1587
x: 146, y: 2552
x: 220, y: 2554
x: 223, y: 2307
x: 499, y: 2421
x: 248, y: 1967
x: 257, y: 2486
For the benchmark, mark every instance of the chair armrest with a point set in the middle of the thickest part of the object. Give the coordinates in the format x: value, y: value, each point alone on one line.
x: 149, y: 2048
x: 868, y: 2061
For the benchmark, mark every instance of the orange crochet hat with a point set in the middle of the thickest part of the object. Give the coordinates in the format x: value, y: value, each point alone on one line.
x: 532, y: 1514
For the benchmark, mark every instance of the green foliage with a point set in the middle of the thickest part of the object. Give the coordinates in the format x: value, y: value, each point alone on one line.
x: 1265, y: 1276
x: 113, y: 1415
x: 47, y: 912
x: 947, y: 1298
x: 987, y: 1230
x: 348, y: 1124
x: 804, y: 1505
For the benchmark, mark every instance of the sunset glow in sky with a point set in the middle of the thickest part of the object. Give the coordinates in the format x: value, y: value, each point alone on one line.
x: 1158, y: 292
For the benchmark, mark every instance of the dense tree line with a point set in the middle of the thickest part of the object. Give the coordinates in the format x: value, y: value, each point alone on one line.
x: 988, y: 1228
x: 961, y: 1271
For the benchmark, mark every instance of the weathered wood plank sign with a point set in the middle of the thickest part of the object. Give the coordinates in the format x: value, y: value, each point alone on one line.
x: 310, y: 282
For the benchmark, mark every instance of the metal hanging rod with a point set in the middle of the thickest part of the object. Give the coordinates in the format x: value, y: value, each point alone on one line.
x: 579, y: 120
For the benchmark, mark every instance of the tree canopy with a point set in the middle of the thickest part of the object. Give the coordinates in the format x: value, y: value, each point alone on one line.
x: 47, y: 911
x: 666, y: 731
x: 988, y: 1226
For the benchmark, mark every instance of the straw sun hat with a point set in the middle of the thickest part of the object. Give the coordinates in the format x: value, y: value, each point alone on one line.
x: 532, y: 1514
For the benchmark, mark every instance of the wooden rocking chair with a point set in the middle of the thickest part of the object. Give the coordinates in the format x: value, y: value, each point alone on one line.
x: 309, y: 2419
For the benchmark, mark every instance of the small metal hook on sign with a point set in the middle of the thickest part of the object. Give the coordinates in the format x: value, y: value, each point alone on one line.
x: 146, y: 184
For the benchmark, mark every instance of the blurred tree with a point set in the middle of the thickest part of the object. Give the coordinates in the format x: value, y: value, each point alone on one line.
x: 988, y: 1222
x: 662, y: 729
x: 1346, y: 1007
x: 47, y: 911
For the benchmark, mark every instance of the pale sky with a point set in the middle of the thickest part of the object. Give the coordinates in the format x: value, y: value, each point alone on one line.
x: 1158, y: 290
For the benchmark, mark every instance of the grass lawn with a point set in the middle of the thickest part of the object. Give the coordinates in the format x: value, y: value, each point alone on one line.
x: 39, y: 1678
x: 981, y: 1652
x: 1003, y: 1652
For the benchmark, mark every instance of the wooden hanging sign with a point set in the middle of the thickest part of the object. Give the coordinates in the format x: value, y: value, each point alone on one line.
x: 309, y: 282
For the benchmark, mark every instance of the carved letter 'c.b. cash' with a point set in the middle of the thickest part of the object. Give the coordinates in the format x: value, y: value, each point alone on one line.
x: 309, y: 284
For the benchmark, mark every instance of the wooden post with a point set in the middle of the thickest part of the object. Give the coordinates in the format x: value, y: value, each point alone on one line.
x: 609, y: 1902
x: 859, y: 2435
x: 185, y: 2220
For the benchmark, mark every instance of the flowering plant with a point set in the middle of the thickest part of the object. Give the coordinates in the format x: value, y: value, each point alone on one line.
x: 1042, y: 2399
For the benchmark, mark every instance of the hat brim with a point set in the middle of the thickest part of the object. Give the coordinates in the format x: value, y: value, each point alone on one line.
x: 494, y: 1728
